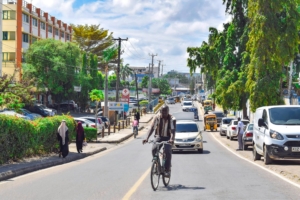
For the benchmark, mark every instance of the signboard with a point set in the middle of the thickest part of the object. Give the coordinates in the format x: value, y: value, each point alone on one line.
x: 126, y: 107
x: 77, y: 88
x: 125, y: 95
x: 116, y: 106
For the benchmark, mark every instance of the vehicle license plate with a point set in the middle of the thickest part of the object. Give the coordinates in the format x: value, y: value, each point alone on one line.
x: 296, y: 149
x: 184, y: 145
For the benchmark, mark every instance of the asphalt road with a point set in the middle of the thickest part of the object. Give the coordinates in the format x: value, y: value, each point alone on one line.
x: 120, y: 171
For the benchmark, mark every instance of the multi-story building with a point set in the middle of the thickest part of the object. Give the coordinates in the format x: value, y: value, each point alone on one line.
x: 22, y: 25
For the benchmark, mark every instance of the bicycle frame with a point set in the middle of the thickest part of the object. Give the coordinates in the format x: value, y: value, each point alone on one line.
x: 161, y: 166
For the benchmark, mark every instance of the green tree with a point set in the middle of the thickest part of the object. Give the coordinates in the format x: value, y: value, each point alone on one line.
x: 52, y: 65
x: 162, y: 84
x: 100, y: 80
x: 145, y: 81
x: 125, y: 71
x: 192, y: 86
x: 112, y: 80
x: 273, y: 43
x: 98, y: 96
x: 14, y: 95
x: 94, y: 71
x: 85, y: 81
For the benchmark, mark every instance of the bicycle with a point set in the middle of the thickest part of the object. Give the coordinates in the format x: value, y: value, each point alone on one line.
x: 158, y: 167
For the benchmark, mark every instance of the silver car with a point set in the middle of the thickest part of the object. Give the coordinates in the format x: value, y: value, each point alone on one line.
x: 170, y: 101
x: 188, y: 136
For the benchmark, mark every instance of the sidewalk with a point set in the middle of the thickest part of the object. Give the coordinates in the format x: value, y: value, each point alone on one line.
x: 28, y: 165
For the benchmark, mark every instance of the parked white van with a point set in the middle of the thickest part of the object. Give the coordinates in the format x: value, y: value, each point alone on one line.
x: 276, y: 133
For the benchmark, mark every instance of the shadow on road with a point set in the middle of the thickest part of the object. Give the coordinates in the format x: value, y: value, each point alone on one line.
x: 191, y: 152
x: 180, y: 187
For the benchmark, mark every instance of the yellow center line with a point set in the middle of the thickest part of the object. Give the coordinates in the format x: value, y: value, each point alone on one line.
x: 136, y: 185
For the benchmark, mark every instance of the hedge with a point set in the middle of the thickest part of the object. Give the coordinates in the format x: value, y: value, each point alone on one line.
x: 90, y: 133
x: 20, y: 138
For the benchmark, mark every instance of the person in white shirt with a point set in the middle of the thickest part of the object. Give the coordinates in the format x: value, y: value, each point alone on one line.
x: 240, y: 129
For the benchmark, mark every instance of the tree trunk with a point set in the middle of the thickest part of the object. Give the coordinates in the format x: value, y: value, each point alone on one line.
x: 244, y: 105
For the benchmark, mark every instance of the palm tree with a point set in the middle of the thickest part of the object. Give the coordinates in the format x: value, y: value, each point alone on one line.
x: 125, y: 71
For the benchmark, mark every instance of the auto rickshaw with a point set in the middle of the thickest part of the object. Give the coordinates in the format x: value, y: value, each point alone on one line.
x: 207, y: 105
x: 177, y: 99
x: 210, y: 122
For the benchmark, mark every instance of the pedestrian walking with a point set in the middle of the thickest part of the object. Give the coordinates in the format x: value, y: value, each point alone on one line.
x: 240, y: 130
x: 79, y: 137
x: 137, y: 116
x: 63, y: 138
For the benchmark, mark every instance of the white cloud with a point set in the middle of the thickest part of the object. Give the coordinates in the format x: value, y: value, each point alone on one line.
x: 165, y: 27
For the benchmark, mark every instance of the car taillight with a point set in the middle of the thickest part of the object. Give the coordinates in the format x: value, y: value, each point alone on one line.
x: 249, y: 134
x: 93, y: 126
x: 233, y: 128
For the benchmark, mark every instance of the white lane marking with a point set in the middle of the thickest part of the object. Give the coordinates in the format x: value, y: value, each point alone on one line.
x: 270, y: 171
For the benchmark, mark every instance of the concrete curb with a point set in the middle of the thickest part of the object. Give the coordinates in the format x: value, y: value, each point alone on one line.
x: 18, y: 172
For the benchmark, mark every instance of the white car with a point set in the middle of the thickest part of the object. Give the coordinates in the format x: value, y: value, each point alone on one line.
x: 224, y: 125
x: 186, y: 105
x: 232, y: 128
x: 86, y: 123
x: 13, y: 113
x: 100, y: 124
x: 188, y: 136
x: 170, y: 100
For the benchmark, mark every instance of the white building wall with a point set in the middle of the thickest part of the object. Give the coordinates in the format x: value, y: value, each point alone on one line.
x: 35, y: 31
x: 43, y: 34
x: 25, y: 27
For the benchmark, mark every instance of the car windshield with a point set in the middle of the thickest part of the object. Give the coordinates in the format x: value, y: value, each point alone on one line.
x: 187, y: 104
x: 182, y: 128
x: 170, y: 99
x: 42, y: 106
x: 227, y: 121
x: 26, y: 111
x: 219, y: 114
x: 250, y: 127
x: 285, y: 116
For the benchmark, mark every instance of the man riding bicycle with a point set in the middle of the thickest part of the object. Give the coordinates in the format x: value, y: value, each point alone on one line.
x: 164, y: 127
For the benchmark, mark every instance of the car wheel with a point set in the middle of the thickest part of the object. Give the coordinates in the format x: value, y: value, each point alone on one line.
x: 227, y: 136
x: 267, y: 159
x: 256, y: 156
x: 245, y: 147
x: 200, y: 150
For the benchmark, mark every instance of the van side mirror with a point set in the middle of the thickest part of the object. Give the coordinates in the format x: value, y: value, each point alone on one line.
x: 261, y: 122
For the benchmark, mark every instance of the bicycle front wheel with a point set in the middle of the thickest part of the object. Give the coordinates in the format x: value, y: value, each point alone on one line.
x: 166, y: 180
x: 154, y: 175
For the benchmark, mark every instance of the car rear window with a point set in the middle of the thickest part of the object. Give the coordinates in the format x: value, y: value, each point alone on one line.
x: 187, y: 104
x: 250, y: 127
x: 227, y: 121
x: 181, y: 128
x: 171, y: 99
x: 244, y: 122
x: 219, y: 114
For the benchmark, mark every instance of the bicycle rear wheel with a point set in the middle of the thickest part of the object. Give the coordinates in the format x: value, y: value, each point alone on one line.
x: 154, y: 175
x: 166, y: 180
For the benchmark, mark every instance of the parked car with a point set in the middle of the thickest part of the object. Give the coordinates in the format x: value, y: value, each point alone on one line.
x: 186, y: 105
x: 219, y: 115
x: 29, y: 114
x: 170, y: 100
x: 248, y: 136
x: 276, y: 133
x: 93, y: 119
x: 13, y: 113
x: 41, y: 109
x: 224, y: 125
x: 188, y: 136
x: 232, y: 128
x: 86, y: 122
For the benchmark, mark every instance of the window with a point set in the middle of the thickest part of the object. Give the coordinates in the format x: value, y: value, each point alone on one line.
x: 56, y: 31
x: 8, y: 14
x: 265, y: 116
x: 25, y: 37
x: 43, y: 26
x: 34, y: 22
x: 62, y: 34
x: 8, y: 35
x: 181, y: 128
x: 25, y: 18
x: 49, y: 29
x: 33, y: 39
x: 8, y: 56
x: 68, y: 36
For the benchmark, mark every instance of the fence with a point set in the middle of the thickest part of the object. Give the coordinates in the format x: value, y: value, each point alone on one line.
x: 153, y: 103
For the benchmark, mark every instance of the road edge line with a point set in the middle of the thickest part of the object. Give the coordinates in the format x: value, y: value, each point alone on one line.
x: 136, y: 185
x: 268, y: 170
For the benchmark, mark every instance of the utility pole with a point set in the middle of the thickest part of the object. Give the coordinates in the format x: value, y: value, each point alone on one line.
x: 118, y: 69
x: 137, y: 91
x: 162, y: 69
x: 159, y: 61
x: 1, y: 37
x: 149, y: 83
x: 152, y: 55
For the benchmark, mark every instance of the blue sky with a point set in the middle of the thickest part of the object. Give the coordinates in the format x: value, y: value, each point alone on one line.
x: 163, y: 27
